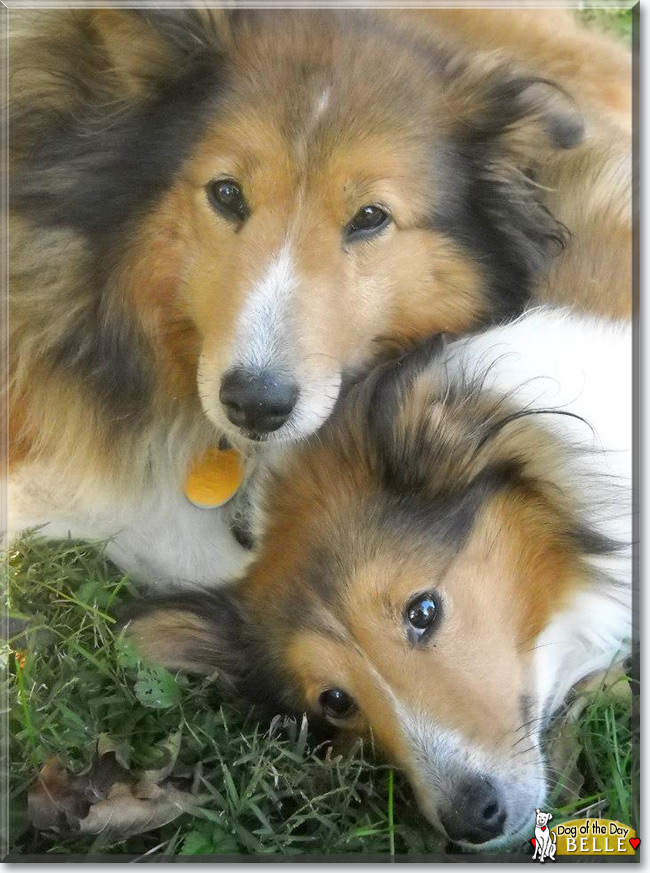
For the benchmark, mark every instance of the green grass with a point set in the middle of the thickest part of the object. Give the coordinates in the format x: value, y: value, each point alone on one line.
x: 617, y: 22
x: 268, y: 791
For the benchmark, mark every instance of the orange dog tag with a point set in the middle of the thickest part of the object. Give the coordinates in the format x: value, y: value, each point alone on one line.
x: 214, y: 478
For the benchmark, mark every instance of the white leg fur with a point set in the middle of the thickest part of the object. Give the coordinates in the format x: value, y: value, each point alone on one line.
x: 163, y: 539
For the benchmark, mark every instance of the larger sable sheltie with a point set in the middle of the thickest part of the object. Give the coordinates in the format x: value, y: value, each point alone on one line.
x: 441, y: 563
x: 217, y: 214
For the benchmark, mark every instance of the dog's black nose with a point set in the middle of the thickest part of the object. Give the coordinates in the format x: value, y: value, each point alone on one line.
x: 475, y: 813
x: 257, y: 401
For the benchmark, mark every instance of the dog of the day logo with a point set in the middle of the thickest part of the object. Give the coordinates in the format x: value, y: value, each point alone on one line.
x: 544, y: 841
x: 582, y: 837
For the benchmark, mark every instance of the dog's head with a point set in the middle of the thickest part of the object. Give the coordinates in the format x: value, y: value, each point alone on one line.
x: 415, y: 551
x: 542, y: 818
x: 274, y: 191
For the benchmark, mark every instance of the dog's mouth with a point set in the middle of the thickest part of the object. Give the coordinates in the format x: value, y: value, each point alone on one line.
x: 264, y: 420
x: 286, y: 434
x: 517, y: 827
x: 515, y: 831
x: 481, y: 810
x: 252, y: 436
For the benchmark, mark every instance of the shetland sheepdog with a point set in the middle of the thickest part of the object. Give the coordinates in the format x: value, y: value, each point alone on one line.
x: 441, y: 564
x: 217, y: 216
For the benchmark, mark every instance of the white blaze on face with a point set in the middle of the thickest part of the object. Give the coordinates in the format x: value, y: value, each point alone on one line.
x: 263, y: 336
x: 318, y: 106
x: 267, y: 338
x: 321, y: 104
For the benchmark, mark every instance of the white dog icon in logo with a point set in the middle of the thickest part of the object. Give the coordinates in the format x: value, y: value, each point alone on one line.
x: 545, y: 842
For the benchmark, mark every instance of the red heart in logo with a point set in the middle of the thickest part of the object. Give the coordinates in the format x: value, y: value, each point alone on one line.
x: 543, y: 827
x: 533, y: 841
x: 635, y: 842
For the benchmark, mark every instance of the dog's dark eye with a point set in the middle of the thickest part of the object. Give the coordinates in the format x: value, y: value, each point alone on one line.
x: 337, y: 703
x: 226, y: 197
x: 368, y: 220
x: 421, y: 613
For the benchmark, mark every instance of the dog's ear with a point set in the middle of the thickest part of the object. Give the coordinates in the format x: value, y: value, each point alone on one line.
x: 394, y: 402
x: 503, y: 127
x: 149, y: 47
x: 498, y: 107
x: 211, y: 633
x: 197, y: 632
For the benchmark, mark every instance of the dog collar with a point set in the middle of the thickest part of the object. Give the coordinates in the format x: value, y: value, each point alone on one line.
x: 214, y: 478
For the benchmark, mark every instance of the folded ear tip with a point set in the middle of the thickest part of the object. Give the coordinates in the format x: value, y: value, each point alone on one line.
x: 566, y: 130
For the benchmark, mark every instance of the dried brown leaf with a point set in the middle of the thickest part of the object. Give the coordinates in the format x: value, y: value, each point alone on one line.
x: 124, y: 815
x: 54, y: 800
x: 109, y: 799
x: 169, y: 747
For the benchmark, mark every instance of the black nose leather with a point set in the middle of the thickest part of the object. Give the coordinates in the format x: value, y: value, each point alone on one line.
x: 476, y: 812
x: 257, y: 401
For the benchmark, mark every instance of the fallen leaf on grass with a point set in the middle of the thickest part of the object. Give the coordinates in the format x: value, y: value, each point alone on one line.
x: 110, y: 799
x: 55, y: 798
x: 169, y: 749
x: 156, y: 688
x: 122, y: 815
x: 106, y: 744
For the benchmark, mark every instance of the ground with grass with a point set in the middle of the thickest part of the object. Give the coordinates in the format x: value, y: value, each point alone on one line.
x: 69, y: 679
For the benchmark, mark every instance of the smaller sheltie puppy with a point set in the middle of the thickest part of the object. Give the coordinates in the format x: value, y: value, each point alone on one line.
x: 441, y: 564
